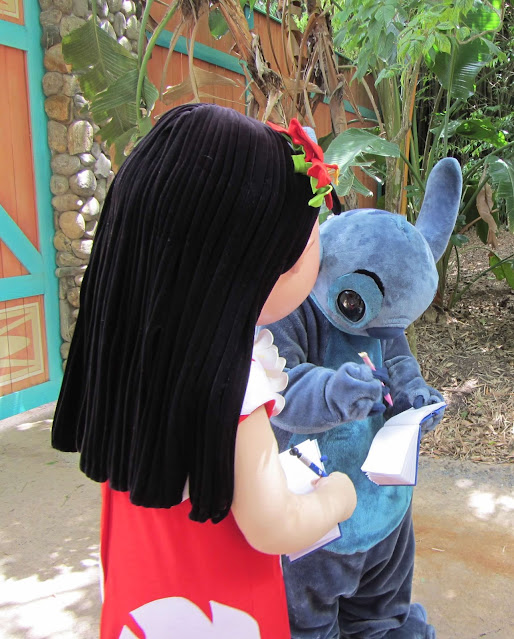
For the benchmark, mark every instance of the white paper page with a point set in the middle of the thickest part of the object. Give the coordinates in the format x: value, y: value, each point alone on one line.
x: 389, y: 449
x: 413, y: 415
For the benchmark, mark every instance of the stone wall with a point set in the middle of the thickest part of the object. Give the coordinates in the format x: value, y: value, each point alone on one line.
x: 81, y: 169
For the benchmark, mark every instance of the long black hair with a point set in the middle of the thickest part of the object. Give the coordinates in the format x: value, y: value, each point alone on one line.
x: 199, y: 223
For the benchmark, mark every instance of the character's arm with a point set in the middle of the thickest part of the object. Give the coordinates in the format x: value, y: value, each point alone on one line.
x: 407, y: 386
x: 319, y: 398
x: 273, y: 519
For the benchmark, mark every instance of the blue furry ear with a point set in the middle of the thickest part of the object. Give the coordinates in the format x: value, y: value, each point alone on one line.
x: 438, y: 213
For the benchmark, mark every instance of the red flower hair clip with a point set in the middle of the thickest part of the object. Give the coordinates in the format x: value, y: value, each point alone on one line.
x: 310, y: 162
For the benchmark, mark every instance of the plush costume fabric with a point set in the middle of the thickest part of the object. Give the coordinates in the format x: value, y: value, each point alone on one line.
x: 364, y: 580
x: 377, y: 275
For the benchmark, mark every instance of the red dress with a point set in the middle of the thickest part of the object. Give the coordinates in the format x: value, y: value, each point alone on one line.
x: 166, y: 576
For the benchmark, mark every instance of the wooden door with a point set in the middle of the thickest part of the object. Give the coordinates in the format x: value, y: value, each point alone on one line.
x: 29, y: 323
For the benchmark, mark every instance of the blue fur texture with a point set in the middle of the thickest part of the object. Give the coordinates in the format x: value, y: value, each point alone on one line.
x: 377, y: 275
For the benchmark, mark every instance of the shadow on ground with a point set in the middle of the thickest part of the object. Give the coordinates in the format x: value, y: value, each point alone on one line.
x: 49, y: 514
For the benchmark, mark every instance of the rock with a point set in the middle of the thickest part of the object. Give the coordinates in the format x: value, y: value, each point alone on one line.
x: 83, y: 183
x: 96, y: 150
x: 132, y: 28
x: 66, y: 320
x: 80, y: 107
x: 59, y: 107
x: 114, y: 5
x: 52, y: 83
x: 50, y: 36
x: 64, y: 164
x: 102, y: 166
x: 70, y: 271
x: 102, y: 9
x: 70, y: 23
x: 128, y: 7
x: 54, y: 61
x: 107, y: 27
x: 91, y: 229
x: 91, y: 209
x: 65, y: 349
x: 73, y: 226
x: 71, y: 85
x: 73, y: 296
x: 68, y: 259
x: 50, y: 16
x: 87, y: 159
x: 82, y: 248
x: 80, y: 137
x: 67, y: 202
x: 61, y: 242
x: 65, y: 6
x: 80, y: 8
x: 57, y: 134
x: 119, y: 24
x: 59, y: 184
x: 101, y: 189
x: 125, y: 43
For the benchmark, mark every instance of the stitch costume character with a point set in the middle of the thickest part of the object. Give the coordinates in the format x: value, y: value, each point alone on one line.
x: 377, y: 275
x: 206, y: 231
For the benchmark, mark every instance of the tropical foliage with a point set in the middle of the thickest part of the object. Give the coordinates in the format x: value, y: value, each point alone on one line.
x: 427, y: 59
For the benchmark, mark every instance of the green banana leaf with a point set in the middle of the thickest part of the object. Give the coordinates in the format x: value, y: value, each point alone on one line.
x: 457, y: 71
x: 353, y: 148
x: 501, y: 174
x: 108, y: 76
x: 474, y: 128
x: 504, y: 271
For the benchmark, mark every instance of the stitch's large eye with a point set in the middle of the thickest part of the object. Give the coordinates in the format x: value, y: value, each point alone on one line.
x: 351, y: 305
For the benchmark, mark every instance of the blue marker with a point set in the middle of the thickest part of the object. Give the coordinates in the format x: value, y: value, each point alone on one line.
x: 305, y: 460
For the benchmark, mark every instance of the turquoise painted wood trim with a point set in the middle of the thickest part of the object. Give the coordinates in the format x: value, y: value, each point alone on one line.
x: 203, y: 52
x: 367, y: 113
x: 13, y: 288
x: 41, y: 265
x: 18, y: 243
x: 42, y: 173
x: 14, y: 35
x: 21, y: 401
x: 249, y: 17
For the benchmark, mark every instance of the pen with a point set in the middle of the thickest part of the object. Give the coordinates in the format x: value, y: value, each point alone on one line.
x: 367, y: 361
x: 305, y: 460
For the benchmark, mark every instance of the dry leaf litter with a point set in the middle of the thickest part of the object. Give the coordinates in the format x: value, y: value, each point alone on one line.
x: 467, y: 353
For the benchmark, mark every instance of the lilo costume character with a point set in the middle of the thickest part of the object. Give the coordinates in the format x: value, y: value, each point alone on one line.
x: 377, y: 275
x: 205, y: 219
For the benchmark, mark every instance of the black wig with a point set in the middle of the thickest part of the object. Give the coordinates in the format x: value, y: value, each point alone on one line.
x: 199, y: 223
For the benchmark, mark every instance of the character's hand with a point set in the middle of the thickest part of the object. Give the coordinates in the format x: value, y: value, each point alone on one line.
x: 342, y: 487
x: 429, y: 396
x: 356, y: 392
x: 381, y: 374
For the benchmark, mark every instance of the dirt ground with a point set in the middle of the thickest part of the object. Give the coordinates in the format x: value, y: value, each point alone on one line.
x: 49, y: 514
x: 463, y: 505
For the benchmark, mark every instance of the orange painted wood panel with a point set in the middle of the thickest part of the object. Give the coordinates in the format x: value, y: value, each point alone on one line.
x: 23, y: 348
x: 178, y: 70
x: 12, y: 11
x: 17, y: 190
